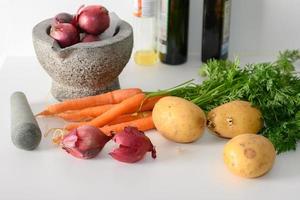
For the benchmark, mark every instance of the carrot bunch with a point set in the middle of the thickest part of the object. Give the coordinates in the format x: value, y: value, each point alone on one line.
x: 110, y: 112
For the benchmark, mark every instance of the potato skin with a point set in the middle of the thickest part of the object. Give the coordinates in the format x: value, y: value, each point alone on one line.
x: 234, y: 118
x: 249, y: 155
x: 178, y: 120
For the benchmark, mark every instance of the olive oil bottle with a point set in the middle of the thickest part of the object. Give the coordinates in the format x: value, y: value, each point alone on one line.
x: 215, y: 32
x: 173, y: 31
x: 145, y: 32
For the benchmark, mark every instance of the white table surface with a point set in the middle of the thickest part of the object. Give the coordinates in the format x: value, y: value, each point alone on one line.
x: 181, y: 171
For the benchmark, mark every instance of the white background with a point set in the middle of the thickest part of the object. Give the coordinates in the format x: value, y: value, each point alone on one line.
x: 196, y: 171
x: 258, y: 26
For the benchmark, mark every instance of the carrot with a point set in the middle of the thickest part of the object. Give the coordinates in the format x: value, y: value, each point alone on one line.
x: 85, y: 114
x: 143, y: 124
x: 149, y: 103
x: 92, y: 112
x: 132, y: 103
x: 113, y: 97
x: 130, y: 117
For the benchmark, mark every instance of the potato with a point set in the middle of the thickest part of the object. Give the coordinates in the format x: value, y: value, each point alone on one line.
x: 249, y: 155
x: 178, y: 120
x: 234, y: 118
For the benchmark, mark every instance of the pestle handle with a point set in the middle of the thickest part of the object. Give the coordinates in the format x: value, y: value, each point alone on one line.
x: 25, y: 131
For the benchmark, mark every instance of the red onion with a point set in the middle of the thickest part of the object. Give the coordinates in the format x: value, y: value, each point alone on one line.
x: 133, y: 145
x: 84, y: 142
x: 90, y: 38
x: 64, y: 18
x: 65, y: 34
x: 93, y: 19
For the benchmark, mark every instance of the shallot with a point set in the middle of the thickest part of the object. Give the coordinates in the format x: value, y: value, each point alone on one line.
x: 84, y: 142
x: 133, y: 145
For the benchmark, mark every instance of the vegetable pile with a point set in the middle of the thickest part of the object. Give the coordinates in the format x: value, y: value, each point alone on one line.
x: 120, y: 115
x: 272, y: 87
x: 91, y: 21
x: 239, y: 101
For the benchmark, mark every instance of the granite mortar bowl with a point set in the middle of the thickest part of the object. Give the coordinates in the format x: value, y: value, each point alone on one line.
x: 83, y: 69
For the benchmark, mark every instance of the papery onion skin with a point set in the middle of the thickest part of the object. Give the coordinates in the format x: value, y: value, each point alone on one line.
x: 133, y: 145
x: 93, y: 19
x: 84, y: 142
x: 65, y: 34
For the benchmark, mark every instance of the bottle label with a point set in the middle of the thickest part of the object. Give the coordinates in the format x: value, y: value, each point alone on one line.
x: 226, y: 27
x: 144, y: 8
x: 163, y: 26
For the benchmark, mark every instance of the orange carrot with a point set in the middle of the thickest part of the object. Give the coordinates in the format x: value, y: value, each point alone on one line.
x: 92, y: 112
x: 149, y: 103
x: 113, y: 97
x: 143, y: 124
x: 129, y: 104
x: 85, y: 114
x: 130, y: 117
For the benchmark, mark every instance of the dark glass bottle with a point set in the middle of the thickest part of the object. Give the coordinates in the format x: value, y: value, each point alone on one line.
x: 216, y: 24
x: 173, y: 31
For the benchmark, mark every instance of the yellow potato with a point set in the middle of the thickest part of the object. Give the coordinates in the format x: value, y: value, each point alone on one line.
x: 234, y: 118
x: 178, y: 120
x: 249, y: 155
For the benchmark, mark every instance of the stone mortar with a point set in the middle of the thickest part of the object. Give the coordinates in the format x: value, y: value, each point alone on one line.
x: 83, y: 69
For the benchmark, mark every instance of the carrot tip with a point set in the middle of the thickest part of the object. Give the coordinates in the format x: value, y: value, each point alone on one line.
x: 43, y: 113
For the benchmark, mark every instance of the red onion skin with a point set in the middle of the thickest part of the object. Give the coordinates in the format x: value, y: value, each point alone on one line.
x: 84, y: 142
x: 93, y: 19
x: 133, y: 145
x: 65, y: 34
x: 127, y: 155
x: 90, y: 38
x: 64, y: 18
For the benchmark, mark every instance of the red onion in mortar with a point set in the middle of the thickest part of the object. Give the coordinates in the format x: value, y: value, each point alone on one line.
x: 63, y: 18
x: 84, y: 142
x: 133, y: 145
x: 90, y: 38
x: 65, y: 34
x: 93, y: 19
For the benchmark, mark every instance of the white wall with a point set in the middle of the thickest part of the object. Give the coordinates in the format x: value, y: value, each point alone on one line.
x: 258, y: 26
x: 265, y: 26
